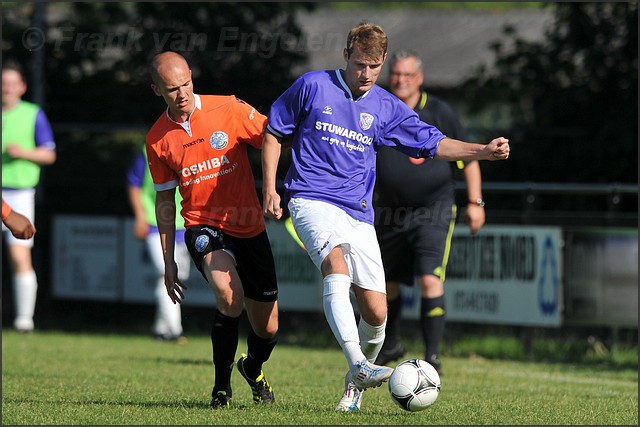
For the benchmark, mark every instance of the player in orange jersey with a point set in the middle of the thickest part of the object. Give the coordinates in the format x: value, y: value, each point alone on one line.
x: 199, y: 145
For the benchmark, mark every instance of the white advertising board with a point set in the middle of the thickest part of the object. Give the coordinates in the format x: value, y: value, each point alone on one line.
x: 502, y: 275
x: 299, y: 281
x: 86, y: 256
x: 98, y: 258
x: 140, y: 275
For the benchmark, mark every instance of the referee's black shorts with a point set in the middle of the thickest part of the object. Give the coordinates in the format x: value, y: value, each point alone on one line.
x: 254, y: 259
x: 415, y: 241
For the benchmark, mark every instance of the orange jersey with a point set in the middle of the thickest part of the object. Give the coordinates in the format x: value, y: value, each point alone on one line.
x: 206, y: 158
x: 6, y: 210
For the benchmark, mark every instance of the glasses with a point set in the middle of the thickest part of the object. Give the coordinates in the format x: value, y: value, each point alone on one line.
x: 401, y: 75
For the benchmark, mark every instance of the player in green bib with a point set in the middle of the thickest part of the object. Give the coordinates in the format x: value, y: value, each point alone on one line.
x: 27, y: 145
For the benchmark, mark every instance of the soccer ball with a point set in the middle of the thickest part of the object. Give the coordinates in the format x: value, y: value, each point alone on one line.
x: 414, y: 385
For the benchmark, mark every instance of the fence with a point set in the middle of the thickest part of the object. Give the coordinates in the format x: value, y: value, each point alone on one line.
x: 580, y: 274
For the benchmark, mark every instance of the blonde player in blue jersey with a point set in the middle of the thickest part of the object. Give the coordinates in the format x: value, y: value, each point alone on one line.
x: 337, y: 120
x: 27, y: 145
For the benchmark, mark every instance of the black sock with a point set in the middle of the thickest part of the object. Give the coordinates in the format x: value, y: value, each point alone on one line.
x: 392, y: 330
x: 224, y: 343
x: 432, y: 320
x: 259, y: 350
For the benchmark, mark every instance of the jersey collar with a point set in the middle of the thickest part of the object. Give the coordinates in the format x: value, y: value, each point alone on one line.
x: 345, y: 86
x: 187, y: 124
x: 423, y: 100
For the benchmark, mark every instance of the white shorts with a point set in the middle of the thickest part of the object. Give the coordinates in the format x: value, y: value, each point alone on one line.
x: 24, y: 202
x: 181, y: 256
x: 322, y: 226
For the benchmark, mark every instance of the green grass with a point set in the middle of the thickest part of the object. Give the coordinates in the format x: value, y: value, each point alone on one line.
x: 58, y: 378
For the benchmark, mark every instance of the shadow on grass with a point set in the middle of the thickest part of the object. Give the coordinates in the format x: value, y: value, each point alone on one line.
x: 173, y: 361
x: 189, y: 404
x: 604, y: 347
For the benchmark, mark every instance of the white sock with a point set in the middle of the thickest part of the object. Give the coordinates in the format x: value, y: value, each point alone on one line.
x: 25, y: 289
x: 168, y: 315
x: 371, y: 338
x: 339, y: 313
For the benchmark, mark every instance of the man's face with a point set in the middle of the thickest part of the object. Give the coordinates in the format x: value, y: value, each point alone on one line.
x: 176, y: 87
x: 362, y: 72
x: 405, y: 79
x: 13, y: 88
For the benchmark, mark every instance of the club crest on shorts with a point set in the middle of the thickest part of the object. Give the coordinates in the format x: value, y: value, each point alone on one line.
x: 219, y: 140
x: 366, y: 120
x: 201, y: 242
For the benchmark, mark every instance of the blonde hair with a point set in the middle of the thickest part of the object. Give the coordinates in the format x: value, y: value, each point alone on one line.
x: 369, y: 38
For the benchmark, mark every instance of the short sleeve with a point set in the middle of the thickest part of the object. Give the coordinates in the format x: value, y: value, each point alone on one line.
x: 136, y: 172
x: 410, y: 135
x: 6, y: 210
x: 43, y: 133
x: 163, y: 177
x: 286, y: 111
x: 250, y: 123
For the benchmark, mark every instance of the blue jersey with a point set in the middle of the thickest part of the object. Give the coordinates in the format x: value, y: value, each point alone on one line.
x: 336, y: 139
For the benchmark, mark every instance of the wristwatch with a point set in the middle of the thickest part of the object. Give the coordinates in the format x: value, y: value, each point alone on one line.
x: 478, y: 202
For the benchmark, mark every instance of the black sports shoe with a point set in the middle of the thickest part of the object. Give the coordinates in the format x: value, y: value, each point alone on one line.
x: 387, y: 355
x: 220, y: 400
x: 262, y: 391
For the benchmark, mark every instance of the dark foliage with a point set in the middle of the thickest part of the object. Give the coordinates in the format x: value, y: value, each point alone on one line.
x: 574, y: 96
x: 97, y: 53
x: 95, y: 60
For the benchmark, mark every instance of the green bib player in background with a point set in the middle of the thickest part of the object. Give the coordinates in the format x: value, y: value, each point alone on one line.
x: 27, y: 145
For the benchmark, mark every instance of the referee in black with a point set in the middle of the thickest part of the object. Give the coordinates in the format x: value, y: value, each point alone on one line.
x: 416, y: 212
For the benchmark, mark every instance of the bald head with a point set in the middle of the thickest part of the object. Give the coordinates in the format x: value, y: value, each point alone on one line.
x: 166, y: 62
x: 172, y: 80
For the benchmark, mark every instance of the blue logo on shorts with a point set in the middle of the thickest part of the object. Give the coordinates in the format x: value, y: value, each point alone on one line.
x: 202, y: 242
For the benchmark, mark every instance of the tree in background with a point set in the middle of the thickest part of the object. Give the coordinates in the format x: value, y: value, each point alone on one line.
x: 96, y: 82
x: 574, y: 96
x: 97, y: 53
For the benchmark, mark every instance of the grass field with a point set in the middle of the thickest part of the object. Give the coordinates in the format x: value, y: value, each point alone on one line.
x: 55, y: 377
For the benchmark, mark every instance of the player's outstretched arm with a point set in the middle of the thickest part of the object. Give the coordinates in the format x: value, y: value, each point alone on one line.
x: 270, y: 156
x: 18, y: 224
x: 452, y: 149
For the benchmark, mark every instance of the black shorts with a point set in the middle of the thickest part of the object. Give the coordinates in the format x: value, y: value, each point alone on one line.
x: 415, y: 241
x: 254, y: 259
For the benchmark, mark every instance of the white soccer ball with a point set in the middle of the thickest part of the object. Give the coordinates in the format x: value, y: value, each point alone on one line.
x: 414, y: 385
